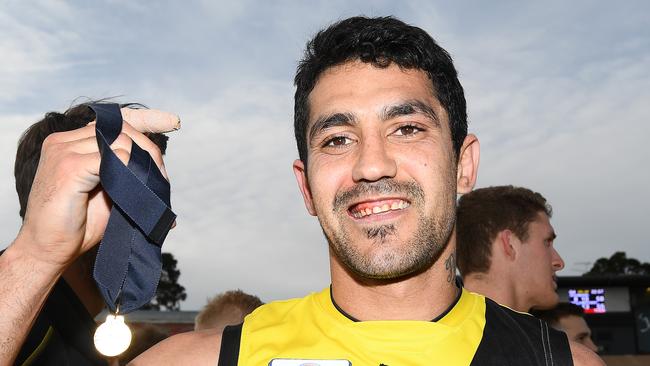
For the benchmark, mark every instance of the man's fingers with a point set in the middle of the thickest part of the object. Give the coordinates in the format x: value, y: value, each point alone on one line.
x: 91, y: 161
x: 83, y: 141
x: 72, y: 135
x: 146, y: 144
x: 151, y: 120
x: 89, y: 144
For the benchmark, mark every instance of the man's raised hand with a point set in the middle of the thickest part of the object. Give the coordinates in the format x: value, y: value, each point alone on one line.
x: 67, y: 211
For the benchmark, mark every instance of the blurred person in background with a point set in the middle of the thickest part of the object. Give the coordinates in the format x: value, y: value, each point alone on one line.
x: 505, y: 247
x: 227, y: 308
x: 569, y: 318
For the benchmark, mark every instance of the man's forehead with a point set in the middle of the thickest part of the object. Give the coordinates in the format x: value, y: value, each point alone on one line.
x: 345, y: 87
x: 541, y: 226
x: 573, y: 321
x: 543, y: 219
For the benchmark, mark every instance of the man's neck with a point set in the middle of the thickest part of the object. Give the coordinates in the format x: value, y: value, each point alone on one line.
x: 423, y: 296
x: 497, y: 288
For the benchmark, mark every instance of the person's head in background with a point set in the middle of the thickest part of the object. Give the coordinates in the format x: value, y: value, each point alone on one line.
x: 227, y: 308
x: 28, y: 154
x: 505, y: 247
x: 570, y: 319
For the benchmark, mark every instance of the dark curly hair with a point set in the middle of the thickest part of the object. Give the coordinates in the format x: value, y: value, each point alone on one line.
x: 380, y: 41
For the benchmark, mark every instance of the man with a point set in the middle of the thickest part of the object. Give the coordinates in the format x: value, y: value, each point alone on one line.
x: 505, y: 247
x: 381, y: 130
x: 63, y: 331
x: 227, y: 308
x: 569, y: 318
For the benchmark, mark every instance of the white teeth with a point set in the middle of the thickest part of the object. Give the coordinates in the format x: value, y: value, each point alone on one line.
x: 399, y: 205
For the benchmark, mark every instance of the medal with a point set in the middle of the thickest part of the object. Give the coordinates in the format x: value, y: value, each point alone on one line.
x: 113, y: 336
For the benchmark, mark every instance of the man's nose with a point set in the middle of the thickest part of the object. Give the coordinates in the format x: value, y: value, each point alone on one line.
x: 558, y: 262
x: 591, y: 345
x: 374, y: 161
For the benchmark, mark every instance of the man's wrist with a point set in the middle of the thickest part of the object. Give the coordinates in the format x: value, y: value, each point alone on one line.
x: 22, y: 254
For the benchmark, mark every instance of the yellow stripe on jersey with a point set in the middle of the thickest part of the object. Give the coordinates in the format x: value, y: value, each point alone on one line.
x: 311, y: 328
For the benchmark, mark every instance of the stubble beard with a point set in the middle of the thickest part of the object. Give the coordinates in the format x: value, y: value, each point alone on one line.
x: 420, y: 250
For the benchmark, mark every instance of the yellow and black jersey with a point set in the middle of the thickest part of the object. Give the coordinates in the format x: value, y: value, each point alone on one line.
x: 313, y: 331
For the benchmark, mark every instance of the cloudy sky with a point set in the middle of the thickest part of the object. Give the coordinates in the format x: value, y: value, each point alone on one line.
x: 558, y: 95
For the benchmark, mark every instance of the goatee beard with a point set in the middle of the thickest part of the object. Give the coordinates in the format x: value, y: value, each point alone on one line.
x: 392, y: 261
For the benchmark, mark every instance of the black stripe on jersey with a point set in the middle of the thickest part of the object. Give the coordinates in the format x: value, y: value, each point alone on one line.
x: 230, y: 340
x: 514, y: 339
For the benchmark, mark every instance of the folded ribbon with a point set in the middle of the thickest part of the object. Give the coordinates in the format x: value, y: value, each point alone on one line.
x: 128, y: 263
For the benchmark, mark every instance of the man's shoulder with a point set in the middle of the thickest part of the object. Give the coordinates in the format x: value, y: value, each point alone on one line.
x: 583, y: 356
x: 514, y: 338
x: 509, y: 317
x: 191, y: 348
x: 280, y: 311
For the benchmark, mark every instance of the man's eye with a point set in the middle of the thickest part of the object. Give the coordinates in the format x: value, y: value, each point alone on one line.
x: 407, y: 130
x: 337, y: 141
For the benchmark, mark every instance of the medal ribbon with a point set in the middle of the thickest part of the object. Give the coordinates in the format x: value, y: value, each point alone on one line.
x: 128, y: 263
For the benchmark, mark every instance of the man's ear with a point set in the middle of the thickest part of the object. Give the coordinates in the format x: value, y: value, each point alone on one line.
x: 303, y: 184
x: 467, y: 169
x: 507, y: 243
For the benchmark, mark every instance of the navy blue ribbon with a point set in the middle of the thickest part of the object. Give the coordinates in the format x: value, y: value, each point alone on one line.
x: 128, y: 263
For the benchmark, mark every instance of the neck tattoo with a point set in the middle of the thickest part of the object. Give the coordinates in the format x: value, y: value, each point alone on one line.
x: 450, y: 266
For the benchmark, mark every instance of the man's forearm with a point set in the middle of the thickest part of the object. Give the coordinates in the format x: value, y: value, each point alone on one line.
x: 24, y: 285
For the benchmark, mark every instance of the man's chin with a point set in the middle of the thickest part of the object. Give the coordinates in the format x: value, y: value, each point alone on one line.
x: 384, y: 274
x: 385, y: 262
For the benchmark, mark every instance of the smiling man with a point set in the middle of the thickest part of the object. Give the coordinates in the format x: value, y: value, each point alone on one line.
x: 381, y: 128
x: 505, y: 247
x: 380, y: 123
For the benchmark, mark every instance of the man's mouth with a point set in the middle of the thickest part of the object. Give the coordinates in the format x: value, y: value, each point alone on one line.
x: 363, y: 209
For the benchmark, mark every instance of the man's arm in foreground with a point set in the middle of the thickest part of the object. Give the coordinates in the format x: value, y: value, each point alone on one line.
x: 583, y: 356
x: 24, y: 287
x: 66, y: 215
x: 191, y: 348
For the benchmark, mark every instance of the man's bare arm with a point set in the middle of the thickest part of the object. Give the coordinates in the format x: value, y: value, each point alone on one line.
x: 191, y: 348
x: 24, y: 287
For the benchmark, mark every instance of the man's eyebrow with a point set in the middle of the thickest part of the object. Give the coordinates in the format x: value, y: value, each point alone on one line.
x: 410, y: 107
x: 552, y: 236
x: 329, y: 121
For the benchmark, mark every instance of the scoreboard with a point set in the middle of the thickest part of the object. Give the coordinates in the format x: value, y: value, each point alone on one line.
x: 597, y: 300
x: 591, y: 300
x: 616, y: 307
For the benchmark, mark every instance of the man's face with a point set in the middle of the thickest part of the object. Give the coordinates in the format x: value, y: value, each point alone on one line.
x: 381, y: 170
x: 538, y: 262
x: 577, y: 330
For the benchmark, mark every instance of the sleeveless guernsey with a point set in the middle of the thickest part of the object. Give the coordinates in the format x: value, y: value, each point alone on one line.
x: 312, y: 331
